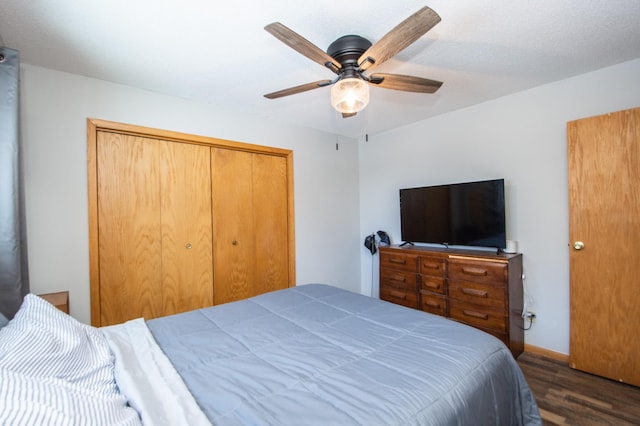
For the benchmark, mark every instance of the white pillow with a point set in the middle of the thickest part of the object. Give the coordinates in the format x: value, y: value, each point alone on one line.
x: 56, y: 370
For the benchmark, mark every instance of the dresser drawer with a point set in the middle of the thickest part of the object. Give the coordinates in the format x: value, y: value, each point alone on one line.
x: 399, y: 296
x: 399, y: 279
x: 432, y: 266
x: 479, y: 293
x: 434, y: 304
x: 477, y: 271
x: 477, y: 316
x: 399, y: 261
x: 433, y: 284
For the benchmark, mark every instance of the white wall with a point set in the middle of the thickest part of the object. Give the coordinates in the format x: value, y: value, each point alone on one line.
x: 521, y: 138
x: 54, y: 108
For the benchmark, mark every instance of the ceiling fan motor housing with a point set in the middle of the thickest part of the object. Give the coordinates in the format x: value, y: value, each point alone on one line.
x: 347, y: 50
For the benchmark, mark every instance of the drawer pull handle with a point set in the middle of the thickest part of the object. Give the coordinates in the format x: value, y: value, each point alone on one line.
x: 399, y: 278
x: 398, y: 261
x: 398, y: 295
x: 432, y: 304
x: 474, y: 271
x: 435, y: 266
x: 474, y: 292
x: 432, y: 285
x: 475, y: 314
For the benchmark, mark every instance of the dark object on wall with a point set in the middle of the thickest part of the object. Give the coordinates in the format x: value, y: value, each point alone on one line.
x: 370, y: 243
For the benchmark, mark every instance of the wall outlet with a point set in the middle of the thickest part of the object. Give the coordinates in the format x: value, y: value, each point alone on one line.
x: 530, y: 316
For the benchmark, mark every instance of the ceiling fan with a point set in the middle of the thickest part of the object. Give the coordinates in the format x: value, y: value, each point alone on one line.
x: 351, y: 55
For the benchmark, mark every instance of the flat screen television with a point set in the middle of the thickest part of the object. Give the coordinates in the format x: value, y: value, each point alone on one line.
x: 464, y: 214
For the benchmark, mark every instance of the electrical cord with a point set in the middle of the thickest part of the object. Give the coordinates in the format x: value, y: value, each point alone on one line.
x: 529, y: 316
x: 372, y: 265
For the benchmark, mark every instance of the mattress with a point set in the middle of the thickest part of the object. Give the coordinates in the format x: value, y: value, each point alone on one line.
x: 316, y: 354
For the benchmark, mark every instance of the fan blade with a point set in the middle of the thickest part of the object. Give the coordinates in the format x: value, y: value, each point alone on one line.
x: 348, y: 114
x: 406, y: 83
x: 297, y: 89
x: 302, y: 45
x: 399, y: 37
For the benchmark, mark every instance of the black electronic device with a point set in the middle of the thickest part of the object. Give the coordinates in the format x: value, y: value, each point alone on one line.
x: 464, y: 214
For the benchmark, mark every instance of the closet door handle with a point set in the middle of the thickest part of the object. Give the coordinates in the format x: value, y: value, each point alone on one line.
x: 234, y: 242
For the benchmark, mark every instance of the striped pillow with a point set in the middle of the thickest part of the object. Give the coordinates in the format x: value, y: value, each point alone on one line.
x: 56, y: 370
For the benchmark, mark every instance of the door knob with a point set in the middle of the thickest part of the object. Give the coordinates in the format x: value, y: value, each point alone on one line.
x: 578, y: 245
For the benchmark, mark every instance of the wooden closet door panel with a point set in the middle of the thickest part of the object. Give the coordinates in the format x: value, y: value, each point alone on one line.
x: 604, y: 204
x: 233, y: 233
x: 270, y: 222
x: 128, y: 227
x: 187, y: 264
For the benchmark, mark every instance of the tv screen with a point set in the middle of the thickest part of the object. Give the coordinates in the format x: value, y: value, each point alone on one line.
x: 466, y: 214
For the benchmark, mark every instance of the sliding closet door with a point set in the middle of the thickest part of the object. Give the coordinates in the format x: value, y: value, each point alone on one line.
x: 154, y: 227
x: 129, y: 228
x: 270, y: 222
x: 251, y: 224
x: 233, y: 234
x: 187, y: 264
x: 176, y: 219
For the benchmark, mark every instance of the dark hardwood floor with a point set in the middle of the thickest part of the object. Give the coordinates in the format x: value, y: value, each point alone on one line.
x: 570, y: 397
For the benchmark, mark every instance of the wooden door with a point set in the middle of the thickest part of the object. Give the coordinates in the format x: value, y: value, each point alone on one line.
x: 251, y: 224
x: 270, y: 223
x: 604, y: 201
x: 129, y: 228
x: 187, y: 263
x: 154, y: 227
x: 233, y: 234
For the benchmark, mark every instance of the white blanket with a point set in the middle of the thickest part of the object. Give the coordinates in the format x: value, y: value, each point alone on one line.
x: 147, y: 378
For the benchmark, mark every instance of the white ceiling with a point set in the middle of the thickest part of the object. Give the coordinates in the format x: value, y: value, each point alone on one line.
x: 218, y: 52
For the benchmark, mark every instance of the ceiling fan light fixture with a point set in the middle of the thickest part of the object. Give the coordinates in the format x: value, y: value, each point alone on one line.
x: 350, y: 95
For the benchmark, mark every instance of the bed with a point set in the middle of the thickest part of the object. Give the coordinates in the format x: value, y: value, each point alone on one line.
x: 312, y: 354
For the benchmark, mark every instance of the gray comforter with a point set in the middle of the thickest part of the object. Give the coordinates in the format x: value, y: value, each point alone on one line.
x: 315, y: 354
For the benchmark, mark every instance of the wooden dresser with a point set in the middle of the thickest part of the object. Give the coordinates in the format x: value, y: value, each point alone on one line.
x: 479, y: 288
